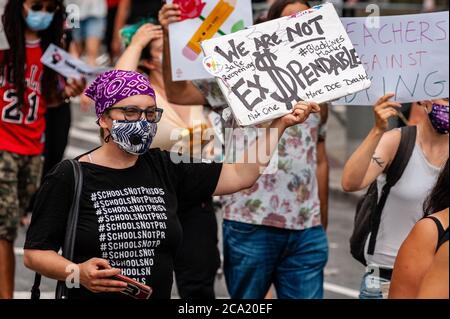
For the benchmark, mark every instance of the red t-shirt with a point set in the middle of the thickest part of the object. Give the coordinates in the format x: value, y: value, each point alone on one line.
x: 22, y: 129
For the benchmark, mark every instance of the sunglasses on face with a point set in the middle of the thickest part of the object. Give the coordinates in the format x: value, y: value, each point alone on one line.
x: 50, y: 8
x: 153, y: 114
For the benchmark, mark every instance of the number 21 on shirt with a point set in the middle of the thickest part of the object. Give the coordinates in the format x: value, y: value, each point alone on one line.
x: 13, y: 113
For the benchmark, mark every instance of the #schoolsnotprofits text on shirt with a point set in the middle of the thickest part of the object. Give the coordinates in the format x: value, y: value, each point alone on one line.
x: 127, y: 216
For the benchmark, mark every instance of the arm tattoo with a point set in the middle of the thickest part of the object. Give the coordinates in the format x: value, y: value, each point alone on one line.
x: 378, y: 161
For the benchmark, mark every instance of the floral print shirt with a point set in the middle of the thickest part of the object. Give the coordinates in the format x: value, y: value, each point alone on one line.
x: 287, y: 197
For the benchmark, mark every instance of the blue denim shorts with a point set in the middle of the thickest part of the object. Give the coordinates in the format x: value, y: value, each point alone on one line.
x: 90, y: 28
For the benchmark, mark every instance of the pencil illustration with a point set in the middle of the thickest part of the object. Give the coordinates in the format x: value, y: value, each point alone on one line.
x: 210, y: 26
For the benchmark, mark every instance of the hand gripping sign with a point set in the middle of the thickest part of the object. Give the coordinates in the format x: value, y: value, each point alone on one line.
x: 265, y: 70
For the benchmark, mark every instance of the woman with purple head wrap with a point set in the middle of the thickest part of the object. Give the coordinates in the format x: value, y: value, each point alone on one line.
x: 132, y: 134
x: 131, y: 194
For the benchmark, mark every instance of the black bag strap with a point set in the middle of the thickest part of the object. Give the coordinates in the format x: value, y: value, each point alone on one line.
x: 404, y: 153
x: 393, y: 175
x: 35, y: 290
x: 69, y: 240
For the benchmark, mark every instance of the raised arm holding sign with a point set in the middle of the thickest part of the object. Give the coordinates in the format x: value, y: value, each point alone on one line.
x: 265, y: 70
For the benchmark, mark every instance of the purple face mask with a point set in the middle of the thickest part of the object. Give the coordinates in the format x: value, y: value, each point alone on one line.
x: 439, y: 118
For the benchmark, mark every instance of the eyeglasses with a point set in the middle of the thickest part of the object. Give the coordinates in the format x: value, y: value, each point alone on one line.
x: 40, y: 7
x: 153, y: 114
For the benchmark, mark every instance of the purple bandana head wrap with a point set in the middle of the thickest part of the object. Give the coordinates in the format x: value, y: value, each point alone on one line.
x: 113, y: 86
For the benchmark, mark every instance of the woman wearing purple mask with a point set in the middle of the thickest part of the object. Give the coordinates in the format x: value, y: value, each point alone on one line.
x: 439, y: 115
x: 128, y: 221
x: 403, y: 208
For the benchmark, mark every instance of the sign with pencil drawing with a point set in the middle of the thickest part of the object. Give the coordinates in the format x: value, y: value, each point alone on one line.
x: 202, y: 20
x: 406, y: 55
x: 265, y: 70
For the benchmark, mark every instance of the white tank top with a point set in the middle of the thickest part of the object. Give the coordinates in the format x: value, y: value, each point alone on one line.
x: 404, y: 207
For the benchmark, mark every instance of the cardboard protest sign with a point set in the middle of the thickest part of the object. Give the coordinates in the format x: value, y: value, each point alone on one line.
x: 265, y: 70
x: 202, y: 20
x: 62, y: 62
x: 406, y: 54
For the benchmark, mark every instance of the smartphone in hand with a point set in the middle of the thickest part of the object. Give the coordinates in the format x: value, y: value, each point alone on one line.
x: 134, y: 289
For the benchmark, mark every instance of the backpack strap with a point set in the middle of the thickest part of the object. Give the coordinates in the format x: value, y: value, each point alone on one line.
x: 404, y: 153
x: 393, y: 175
x: 35, y: 290
x: 71, y: 229
x: 69, y: 240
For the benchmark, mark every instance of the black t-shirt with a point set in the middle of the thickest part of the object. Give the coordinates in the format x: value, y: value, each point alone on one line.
x: 127, y: 216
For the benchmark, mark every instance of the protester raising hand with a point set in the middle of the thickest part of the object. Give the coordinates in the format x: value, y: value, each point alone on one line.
x: 146, y: 34
x: 168, y: 14
x: 384, y: 110
x: 130, y: 58
x: 300, y: 113
x: 418, y: 153
x: 243, y: 175
x: 377, y: 151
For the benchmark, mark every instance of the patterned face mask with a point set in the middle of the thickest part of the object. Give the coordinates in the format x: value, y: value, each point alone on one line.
x: 439, y: 118
x: 133, y: 137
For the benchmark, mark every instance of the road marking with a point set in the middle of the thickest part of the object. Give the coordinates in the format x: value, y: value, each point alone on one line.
x: 331, y: 272
x: 341, y: 290
x: 27, y: 295
x: 328, y: 286
x: 85, y: 136
x: 333, y: 245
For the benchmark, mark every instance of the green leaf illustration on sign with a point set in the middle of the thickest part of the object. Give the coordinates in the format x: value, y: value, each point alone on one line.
x: 238, y: 26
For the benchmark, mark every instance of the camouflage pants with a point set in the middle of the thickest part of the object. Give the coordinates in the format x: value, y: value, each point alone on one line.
x: 19, y: 180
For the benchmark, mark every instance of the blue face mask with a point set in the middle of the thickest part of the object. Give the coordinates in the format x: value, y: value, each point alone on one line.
x: 39, y: 20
